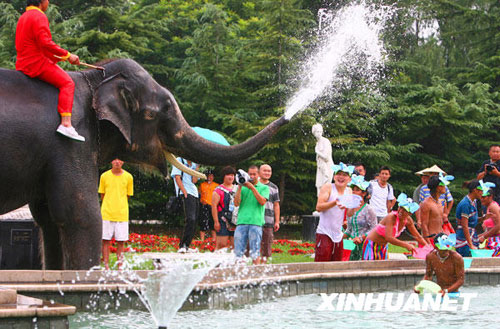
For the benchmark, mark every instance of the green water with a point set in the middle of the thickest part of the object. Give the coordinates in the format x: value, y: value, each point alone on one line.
x: 302, y: 312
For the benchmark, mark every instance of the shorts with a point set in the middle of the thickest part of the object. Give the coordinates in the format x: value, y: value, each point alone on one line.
x: 251, y: 234
x: 326, y: 250
x: 266, y: 247
x: 223, y: 229
x: 357, y: 253
x: 493, y: 242
x: 374, y: 251
x: 464, y: 251
x: 117, y: 229
x: 462, y: 247
x: 205, y: 217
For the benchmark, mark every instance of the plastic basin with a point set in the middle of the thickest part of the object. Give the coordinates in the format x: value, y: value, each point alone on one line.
x: 349, y: 245
x: 482, y: 253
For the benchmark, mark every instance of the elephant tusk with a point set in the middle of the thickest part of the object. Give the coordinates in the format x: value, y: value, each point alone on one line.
x: 173, y: 160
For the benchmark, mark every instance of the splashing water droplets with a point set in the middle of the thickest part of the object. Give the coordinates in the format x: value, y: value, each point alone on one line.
x: 350, y: 42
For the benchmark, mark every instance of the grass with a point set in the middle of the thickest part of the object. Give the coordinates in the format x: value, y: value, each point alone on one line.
x: 284, y: 251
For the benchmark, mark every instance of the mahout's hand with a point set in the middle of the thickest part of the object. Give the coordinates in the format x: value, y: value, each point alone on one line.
x: 74, y: 59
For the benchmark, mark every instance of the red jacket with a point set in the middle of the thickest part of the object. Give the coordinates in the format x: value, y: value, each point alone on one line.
x: 34, y: 44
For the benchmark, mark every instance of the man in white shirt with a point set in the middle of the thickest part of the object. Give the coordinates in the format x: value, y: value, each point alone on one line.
x: 382, y: 194
x: 185, y: 187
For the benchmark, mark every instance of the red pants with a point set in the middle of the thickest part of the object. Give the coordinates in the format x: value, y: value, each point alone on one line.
x: 57, y: 77
x: 326, y: 250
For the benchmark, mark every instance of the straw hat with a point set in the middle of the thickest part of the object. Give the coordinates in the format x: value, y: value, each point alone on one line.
x: 421, y: 172
x: 433, y: 170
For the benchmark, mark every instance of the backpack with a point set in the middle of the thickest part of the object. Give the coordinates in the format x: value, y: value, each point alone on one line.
x: 175, y: 202
x: 370, y: 188
x: 230, y: 216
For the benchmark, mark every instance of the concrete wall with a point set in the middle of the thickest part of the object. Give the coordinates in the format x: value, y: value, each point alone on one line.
x: 244, y: 284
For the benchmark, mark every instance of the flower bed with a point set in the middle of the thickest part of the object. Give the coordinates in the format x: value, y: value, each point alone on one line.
x: 161, y: 243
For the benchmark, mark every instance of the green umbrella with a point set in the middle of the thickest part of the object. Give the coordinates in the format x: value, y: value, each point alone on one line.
x: 211, y: 135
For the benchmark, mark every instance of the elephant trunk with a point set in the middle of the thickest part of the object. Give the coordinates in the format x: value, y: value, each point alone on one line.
x: 190, y: 145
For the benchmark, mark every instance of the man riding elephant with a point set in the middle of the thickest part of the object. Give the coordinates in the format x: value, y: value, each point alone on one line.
x: 37, y: 56
x: 125, y: 115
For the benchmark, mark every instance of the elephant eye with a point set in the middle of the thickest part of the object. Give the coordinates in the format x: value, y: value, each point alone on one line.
x: 149, y: 115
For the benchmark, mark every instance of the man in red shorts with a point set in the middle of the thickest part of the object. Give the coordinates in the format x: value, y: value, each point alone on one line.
x: 37, y: 56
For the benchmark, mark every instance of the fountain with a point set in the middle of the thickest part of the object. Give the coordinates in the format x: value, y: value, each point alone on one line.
x: 165, y: 290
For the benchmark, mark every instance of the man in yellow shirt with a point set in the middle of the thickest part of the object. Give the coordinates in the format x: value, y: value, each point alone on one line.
x: 115, y: 186
x: 206, y: 190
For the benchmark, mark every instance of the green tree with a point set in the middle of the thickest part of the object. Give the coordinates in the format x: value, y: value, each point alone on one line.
x: 8, y: 22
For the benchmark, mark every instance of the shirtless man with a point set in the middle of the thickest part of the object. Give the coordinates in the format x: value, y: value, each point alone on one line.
x: 431, y: 210
x: 446, y: 264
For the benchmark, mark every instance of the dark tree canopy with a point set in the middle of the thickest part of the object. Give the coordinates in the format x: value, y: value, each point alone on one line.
x: 231, y: 65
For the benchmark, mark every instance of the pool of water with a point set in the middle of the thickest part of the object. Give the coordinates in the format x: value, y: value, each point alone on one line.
x: 302, y: 312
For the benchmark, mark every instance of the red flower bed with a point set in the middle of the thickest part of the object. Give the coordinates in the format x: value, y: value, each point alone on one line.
x: 284, y: 242
x: 155, y: 243
x: 307, y: 245
x: 298, y: 251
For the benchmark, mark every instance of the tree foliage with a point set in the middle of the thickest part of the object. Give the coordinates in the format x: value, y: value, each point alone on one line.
x: 232, y: 65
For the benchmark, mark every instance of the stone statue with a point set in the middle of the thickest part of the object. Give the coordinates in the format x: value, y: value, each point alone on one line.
x: 324, y: 161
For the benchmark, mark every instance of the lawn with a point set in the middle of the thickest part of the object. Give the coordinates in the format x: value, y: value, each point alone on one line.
x: 284, y: 251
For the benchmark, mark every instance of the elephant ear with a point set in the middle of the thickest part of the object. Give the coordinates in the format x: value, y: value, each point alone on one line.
x: 114, y: 102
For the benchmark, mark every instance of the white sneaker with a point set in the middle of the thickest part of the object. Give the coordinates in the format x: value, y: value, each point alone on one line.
x: 192, y: 250
x: 182, y: 250
x: 70, y: 132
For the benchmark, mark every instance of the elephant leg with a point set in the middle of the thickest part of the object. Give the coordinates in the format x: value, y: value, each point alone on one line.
x: 74, y: 206
x: 82, y: 244
x: 51, y: 251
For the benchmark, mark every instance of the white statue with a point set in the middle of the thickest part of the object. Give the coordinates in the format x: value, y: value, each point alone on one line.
x: 324, y: 161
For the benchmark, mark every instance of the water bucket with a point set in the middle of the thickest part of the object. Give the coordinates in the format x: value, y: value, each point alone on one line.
x: 467, y: 262
x: 346, y: 255
x: 421, y: 252
x: 482, y: 253
x: 349, y: 244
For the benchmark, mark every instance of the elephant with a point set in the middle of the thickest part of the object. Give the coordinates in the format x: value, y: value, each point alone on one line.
x: 123, y: 113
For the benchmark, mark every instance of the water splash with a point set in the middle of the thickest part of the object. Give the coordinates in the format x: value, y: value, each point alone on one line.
x: 350, y: 41
x: 166, y: 289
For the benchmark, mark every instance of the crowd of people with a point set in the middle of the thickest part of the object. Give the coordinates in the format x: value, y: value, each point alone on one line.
x: 245, y: 215
x: 375, y: 222
x: 242, y: 216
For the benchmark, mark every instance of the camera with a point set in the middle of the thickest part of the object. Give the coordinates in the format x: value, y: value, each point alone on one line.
x: 242, y: 177
x: 489, y: 168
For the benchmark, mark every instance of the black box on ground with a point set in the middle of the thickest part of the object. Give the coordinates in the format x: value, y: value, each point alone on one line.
x: 19, y: 244
x: 309, y: 225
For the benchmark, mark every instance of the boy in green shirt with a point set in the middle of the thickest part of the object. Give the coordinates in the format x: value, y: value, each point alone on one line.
x: 251, y: 197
